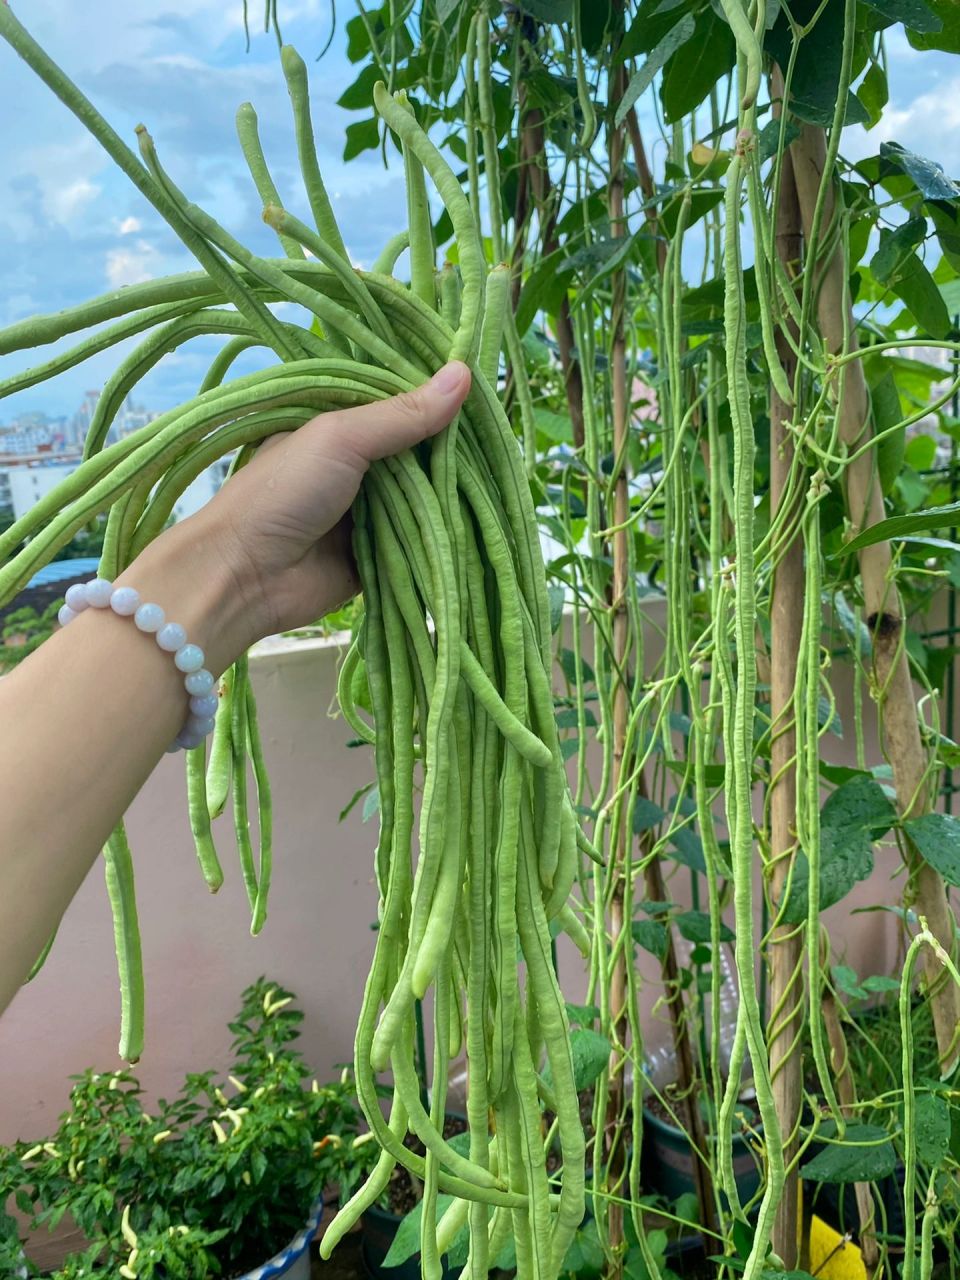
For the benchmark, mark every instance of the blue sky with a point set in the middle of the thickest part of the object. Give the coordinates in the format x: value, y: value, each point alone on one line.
x: 70, y: 227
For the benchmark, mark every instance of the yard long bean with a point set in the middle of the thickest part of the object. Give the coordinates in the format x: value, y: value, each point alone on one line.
x: 454, y: 647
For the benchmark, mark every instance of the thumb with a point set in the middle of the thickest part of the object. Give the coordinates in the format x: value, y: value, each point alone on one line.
x: 388, y: 426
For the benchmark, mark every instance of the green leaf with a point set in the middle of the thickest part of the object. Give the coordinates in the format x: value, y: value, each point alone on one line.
x: 917, y: 290
x: 932, y: 1130
x: 816, y: 74
x: 899, y: 526
x: 693, y: 70
x: 445, y: 8
x: 543, y: 289
x: 948, y: 39
x: 768, y: 140
x: 700, y: 204
x: 928, y: 175
x: 688, y: 849
x: 556, y: 597
x: 937, y: 836
x: 859, y: 804
x: 371, y: 803
x: 362, y: 135
x: 406, y: 1243
x: 695, y: 927
x: 874, y: 93
x: 459, y: 1250
x: 845, y: 979
x: 887, y: 413
x: 651, y: 935
x: 548, y: 10
x: 878, y: 984
x: 584, y: 1258
x: 914, y: 14
x: 582, y: 1013
x: 850, y: 1161
x: 895, y: 248
x: 359, y: 95
x: 358, y: 39
x: 855, y: 814
x: 568, y: 664
x: 657, y: 60
x: 946, y: 221
x: 646, y: 815
x: 590, y: 1052
x: 557, y: 427
x: 653, y: 20
x: 360, y: 792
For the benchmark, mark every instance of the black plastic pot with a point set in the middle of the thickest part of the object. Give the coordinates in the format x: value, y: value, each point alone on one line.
x: 688, y: 1255
x: 668, y: 1161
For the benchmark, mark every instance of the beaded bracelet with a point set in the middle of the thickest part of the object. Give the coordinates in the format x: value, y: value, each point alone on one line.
x: 99, y: 593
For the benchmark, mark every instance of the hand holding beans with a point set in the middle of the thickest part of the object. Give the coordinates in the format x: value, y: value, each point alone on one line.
x: 281, y: 522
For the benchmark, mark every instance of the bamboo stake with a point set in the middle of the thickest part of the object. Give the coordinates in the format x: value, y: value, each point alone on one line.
x: 892, y: 686
x: 618, y: 993
x: 785, y: 953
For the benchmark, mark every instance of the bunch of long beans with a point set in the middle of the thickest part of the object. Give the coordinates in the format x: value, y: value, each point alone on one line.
x: 454, y: 649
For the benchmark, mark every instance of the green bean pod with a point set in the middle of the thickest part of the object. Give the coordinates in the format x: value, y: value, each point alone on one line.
x: 118, y: 870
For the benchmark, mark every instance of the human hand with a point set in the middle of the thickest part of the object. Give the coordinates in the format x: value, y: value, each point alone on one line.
x: 275, y: 541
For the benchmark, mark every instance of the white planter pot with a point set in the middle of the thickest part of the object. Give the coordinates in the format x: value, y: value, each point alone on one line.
x: 293, y: 1262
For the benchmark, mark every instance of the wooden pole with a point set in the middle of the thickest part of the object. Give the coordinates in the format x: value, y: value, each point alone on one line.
x: 618, y: 992
x: 892, y: 686
x: 786, y: 624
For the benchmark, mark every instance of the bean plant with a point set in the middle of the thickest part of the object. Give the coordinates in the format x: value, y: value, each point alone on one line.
x: 694, y: 344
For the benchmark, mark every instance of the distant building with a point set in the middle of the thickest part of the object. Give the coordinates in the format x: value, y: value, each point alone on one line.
x: 26, y: 438
x: 27, y: 478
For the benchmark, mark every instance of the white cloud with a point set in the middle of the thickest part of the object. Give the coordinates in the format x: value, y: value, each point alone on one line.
x: 129, y: 225
x: 130, y: 266
x: 63, y: 203
x: 927, y: 123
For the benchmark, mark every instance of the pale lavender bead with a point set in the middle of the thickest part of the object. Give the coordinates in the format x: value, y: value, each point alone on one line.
x: 149, y: 617
x: 66, y: 615
x: 76, y: 597
x: 125, y: 601
x: 98, y: 593
x: 188, y: 658
x: 189, y: 739
x: 205, y: 706
x: 198, y: 683
x: 174, y: 747
x: 171, y: 637
x: 200, y: 724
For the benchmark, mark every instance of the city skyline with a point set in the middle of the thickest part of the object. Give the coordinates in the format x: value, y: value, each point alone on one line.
x: 35, y: 431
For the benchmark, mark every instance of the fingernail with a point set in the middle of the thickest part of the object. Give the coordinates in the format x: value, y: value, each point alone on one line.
x: 450, y: 377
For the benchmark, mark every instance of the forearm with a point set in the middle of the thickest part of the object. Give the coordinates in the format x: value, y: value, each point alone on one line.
x: 84, y: 721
